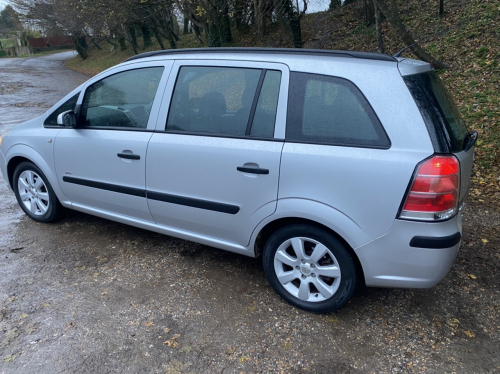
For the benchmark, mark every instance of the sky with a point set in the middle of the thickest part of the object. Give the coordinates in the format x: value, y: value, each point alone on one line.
x: 3, y: 3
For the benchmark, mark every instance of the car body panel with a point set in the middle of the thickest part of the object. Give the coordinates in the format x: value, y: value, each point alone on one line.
x: 390, y: 261
x: 376, y: 179
x: 118, y: 184
x: 204, y: 168
x: 76, y: 149
x: 31, y: 141
x: 466, y: 159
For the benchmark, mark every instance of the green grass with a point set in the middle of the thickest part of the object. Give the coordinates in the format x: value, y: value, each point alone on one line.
x: 8, y: 43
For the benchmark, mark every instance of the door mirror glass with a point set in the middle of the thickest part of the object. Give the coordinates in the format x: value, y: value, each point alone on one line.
x: 67, y: 119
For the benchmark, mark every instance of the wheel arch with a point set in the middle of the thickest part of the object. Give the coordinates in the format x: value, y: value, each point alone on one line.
x: 12, y: 165
x: 271, y: 227
x: 23, y: 153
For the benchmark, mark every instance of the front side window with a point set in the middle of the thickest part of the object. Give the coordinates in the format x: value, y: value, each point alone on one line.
x: 329, y: 110
x: 121, y: 100
x: 224, y: 101
x: 68, y: 105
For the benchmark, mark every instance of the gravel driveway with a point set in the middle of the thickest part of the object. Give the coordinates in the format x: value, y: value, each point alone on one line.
x: 87, y: 295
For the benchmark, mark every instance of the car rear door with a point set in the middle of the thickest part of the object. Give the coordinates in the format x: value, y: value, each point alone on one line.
x: 101, y: 163
x: 213, y: 164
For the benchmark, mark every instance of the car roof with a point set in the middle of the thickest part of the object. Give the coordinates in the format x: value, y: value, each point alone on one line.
x: 272, y: 51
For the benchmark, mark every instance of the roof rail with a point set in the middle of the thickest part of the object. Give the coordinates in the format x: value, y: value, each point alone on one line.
x: 294, y: 51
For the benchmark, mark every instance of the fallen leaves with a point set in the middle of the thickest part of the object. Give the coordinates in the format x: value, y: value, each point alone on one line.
x: 453, y: 322
x: 230, y: 350
x: 332, y: 319
x: 172, y: 343
x: 469, y: 334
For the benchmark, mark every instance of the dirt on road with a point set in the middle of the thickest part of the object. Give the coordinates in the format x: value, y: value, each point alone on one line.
x: 87, y: 295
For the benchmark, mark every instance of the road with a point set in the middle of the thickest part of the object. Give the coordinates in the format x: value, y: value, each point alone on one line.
x: 87, y: 295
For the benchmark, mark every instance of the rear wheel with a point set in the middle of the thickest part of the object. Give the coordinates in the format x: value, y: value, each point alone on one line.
x: 35, y: 195
x: 309, y: 268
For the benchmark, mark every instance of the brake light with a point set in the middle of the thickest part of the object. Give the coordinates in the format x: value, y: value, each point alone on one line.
x: 434, y: 192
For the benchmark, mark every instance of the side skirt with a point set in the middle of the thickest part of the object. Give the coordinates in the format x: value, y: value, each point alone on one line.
x: 165, y: 230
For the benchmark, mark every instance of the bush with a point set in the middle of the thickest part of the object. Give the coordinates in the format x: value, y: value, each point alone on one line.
x: 9, y: 43
x: 3, y: 53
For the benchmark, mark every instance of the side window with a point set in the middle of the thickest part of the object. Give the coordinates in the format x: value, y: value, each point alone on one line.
x: 265, y: 112
x: 222, y: 100
x: 121, y: 100
x: 329, y: 110
x: 68, y: 105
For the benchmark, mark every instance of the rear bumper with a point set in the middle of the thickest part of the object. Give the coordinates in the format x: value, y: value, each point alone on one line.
x: 412, y: 254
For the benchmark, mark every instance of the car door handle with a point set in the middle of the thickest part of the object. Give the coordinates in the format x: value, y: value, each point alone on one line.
x: 129, y: 156
x: 252, y: 170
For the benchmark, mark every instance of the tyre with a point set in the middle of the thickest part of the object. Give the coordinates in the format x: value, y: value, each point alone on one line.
x: 309, y: 268
x: 35, y: 195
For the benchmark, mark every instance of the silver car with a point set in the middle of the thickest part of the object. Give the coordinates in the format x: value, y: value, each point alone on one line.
x: 337, y: 168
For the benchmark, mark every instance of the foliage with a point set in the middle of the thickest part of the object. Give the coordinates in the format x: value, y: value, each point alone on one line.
x: 466, y: 37
x: 8, y: 43
x: 26, y: 35
x: 9, y: 20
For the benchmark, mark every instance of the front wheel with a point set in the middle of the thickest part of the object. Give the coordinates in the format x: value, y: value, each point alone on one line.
x: 35, y: 195
x: 309, y: 268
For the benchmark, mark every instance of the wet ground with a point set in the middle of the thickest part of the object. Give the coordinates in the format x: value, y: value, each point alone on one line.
x: 86, y: 295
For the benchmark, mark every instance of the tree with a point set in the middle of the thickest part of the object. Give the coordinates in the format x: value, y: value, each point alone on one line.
x: 9, y: 20
x: 334, y: 4
x: 291, y: 16
x: 392, y: 14
x: 378, y: 28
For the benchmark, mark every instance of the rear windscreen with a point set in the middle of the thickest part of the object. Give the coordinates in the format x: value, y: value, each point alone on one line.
x: 441, y: 115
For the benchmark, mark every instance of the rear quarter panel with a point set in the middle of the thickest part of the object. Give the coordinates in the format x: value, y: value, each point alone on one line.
x: 364, y: 184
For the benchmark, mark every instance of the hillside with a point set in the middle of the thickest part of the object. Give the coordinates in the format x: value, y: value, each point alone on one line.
x: 467, y: 38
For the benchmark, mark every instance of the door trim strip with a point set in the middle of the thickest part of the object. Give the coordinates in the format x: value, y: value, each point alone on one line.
x: 106, y: 186
x: 158, y: 196
x: 192, y: 202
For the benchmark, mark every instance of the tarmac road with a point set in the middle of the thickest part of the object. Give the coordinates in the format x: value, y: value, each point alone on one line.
x: 87, y: 295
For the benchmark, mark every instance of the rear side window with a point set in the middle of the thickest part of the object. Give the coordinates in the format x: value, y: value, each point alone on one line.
x: 441, y: 115
x: 224, y: 101
x: 329, y: 110
x: 267, y: 105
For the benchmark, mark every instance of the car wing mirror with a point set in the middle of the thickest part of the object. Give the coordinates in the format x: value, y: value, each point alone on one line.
x: 67, y: 119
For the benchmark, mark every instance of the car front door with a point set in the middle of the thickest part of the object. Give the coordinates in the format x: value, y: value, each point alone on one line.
x: 100, y: 163
x: 213, y: 165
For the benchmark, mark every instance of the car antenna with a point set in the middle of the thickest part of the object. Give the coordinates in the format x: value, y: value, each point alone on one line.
x: 404, y: 49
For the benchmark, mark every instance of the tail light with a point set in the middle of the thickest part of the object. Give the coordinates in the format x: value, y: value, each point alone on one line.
x: 434, y: 191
